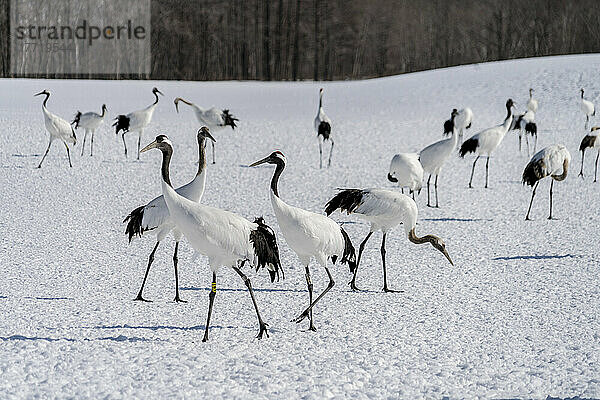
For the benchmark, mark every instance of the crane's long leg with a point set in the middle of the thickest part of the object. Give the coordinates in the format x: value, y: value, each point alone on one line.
x: 261, y: 323
x: 520, y: 138
x: 596, y: 167
x: 582, y: 157
x: 587, y: 118
x: 139, y: 142
x: 551, y: 185
x: 436, y: 194
x: 211, y: 300
x: 487, y: 164
x: 92, y: 144
x: 45, y: 154
x: 535, y: 143
x: 428, y: 181
x: 213, y: 151
x: 527, y: 142
x: 150, y: 261
x: 320, y: 154
x: 310, y: 297
x: 385, y: 286
x: 330, y: 153
x: 68, y: 154
x: 175, y: 260
x: 83, y: 145
x: 531, y: 202
x: 352, y: 283
x: 306, y: 312
x: 124, y: 144
x: 473, y: 171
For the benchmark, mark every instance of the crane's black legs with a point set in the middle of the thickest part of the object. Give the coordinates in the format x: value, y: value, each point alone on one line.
x: 310, y: 297
x: 428, y: 182
x: 45, y: 154
x: 596, y: 167
x: 487, y: 164
x: 306, y: 312
x: 92, y: 144
x: 320, y: 154
x: 531, y: 202
x: 473, y: 171
x: 352, y: 283
x: 211, y: 300
x: 124, y: 144
x: 139, y: 143
x: 385, y: 286
x: 551, y: 185
x: 330, y: 153
x: 520, y: 142
x: 213, y: 150
x: 535, y: 143
x: 527, y: 142
x: 83, y: 145
x: 436, y: 195
x: 261, y: 323
x: 150, y: 261
x: 582, y: 157
x: 175, y: 260
x: 587, y: 119
x: 68, y: 154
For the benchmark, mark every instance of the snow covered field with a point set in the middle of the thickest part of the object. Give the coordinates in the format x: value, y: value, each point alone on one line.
x: 518, y: 315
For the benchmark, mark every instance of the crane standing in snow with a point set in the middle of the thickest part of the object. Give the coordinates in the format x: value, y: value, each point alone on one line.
x: 136, y: 121
x: 588, y: 109
x: 90, y: 121
x: 532, y: 104
x: 227, y: 239
x: 461, y: 121
x: 435, y: 155
x: 407, y: 171
x: 57, y: 127
x: 590, y: 141
x: 155, y: 215
x: 212, y: 117
x: 486, y: 141
x: 526, y: 122
x: 384, y: 209
x: 310, y: 235
x: 551, y: 161
x: 323, y: 129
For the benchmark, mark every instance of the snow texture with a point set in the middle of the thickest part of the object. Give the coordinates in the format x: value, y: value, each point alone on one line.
x: 518, y: 316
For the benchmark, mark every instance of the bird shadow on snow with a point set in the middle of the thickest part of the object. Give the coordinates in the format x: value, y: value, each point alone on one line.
x: 159, y: 327
x: 457, y: 219
x: 245, y: 290
x: 50, y: 298
x: 120, y: 338
x: 538, y: 257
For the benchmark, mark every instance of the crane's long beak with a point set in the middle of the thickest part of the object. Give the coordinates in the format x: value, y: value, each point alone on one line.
x: 152, y: 145
x: 208, y: 135
x: 264, y: 160
x: 40, y: 93
x: 177, y: 104
x: 448, y: 257
x: 159, y: 92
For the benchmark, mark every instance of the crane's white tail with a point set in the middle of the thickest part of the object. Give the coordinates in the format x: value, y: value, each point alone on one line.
x: 324, y: 130
x: 229, y: 119
x: 349, y: 255
x: 266, y: 251
x: 122, y: 124
x: 135, y: 226
x: 534, y: 171
x: 346, y: 200
x: 76, y: 119
x: 468, y: 146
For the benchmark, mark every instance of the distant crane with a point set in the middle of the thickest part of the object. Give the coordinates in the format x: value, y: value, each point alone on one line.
x: 590, y: 141
x: 57, y: 127
x: 449, y: 124
x: 486, y: 141
x: 90, y: 121
x: 526, y: 122
x: 323, y: 129
x: 588, y: 109
x: 227, y: 239
x: 310, y: 235
x: 384, y: 209
x: 434, y: 156
x: 155, y: 215
x: 551, y: 161
x: 136, y: 121
x: 407, y: 171
x: 532, y: 104
x: 213, y: 118
x: 461, y: 121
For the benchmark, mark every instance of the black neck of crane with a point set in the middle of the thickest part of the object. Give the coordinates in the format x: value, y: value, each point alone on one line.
x: 201, y: 154
x: 46, y: 99
x: 155, y: 95
x: 276, y: 175
x: 165, y: 164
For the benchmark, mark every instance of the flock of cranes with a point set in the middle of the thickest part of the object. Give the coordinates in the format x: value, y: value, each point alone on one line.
x: 230, y: 240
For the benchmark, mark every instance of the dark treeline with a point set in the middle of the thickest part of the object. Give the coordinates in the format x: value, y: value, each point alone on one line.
x: 351, y: 39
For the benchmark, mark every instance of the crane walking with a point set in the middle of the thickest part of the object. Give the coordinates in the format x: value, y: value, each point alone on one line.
x: 590, y: 141
x: 323, y: 129
x: 90, y: 121
x: 57, y: 127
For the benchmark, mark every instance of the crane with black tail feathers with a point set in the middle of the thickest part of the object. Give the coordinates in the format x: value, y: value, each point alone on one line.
x: 406, y: 170
x: 384, y: 209
x: 58, y: 128
x: 89, y: 122
x: 310, y: 235
x: 486, y: 141
x: 590, y: 141
x: 227, y: 239
x: 551, y: 161
x: 525, y: 122
x: 155, y: 216
x: 323, y: 129
x: 588, y: 109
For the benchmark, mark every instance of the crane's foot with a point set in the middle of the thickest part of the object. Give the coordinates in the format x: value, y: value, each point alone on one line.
x: 353, y: 286
x: 263, y: 329
x: 387, y: 290
x: 527, y: 218
x: 581, y: 175
x: 550, y: 218
x: 205, y: 338
x: 140, y: 298
x: 177, y: 299
x: 311, y: 328
x: 301, y: 317
x: 470, y: 186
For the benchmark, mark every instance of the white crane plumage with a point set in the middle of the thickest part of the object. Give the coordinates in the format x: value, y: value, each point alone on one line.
x: 526, y: 122
x: 58, y: 128
x: 384, y: 209
x: 136, y: 121
x: 90, y: 121
x: 323, y: 130
x: 227, y: 239
x: 407, y: 171
x: 155, y: 215
x: 310, y: 235
x: 213, y: 118
x: 590, y: 141
x: 532, y: 104
x: 588, y: 109
x: 486, y: 141
x: 434, y: 156
x: 551, y: 161
x: 462, y: 121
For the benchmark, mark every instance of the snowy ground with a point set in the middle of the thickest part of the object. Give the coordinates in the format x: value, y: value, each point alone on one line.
x: 518, y: 316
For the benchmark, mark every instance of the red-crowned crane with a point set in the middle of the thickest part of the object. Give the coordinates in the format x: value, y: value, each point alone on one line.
x: 407, y: 171
x: 310, y: 235
x: 434, y: 156
x: 486, y: 141
x: 532, y: 104
x: 212, y: 117
x: 551, y: 161
x: 384, y: 209
x: 590, y: 141
x: 136, y: 121
x: 227, y: 239
x: 323, y: 130
x: 90, y: 121
x: 58, y: 128
x: 526, y: 122
x: 155, y: 215
x: 461, y: 121
x: 588, y: 109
